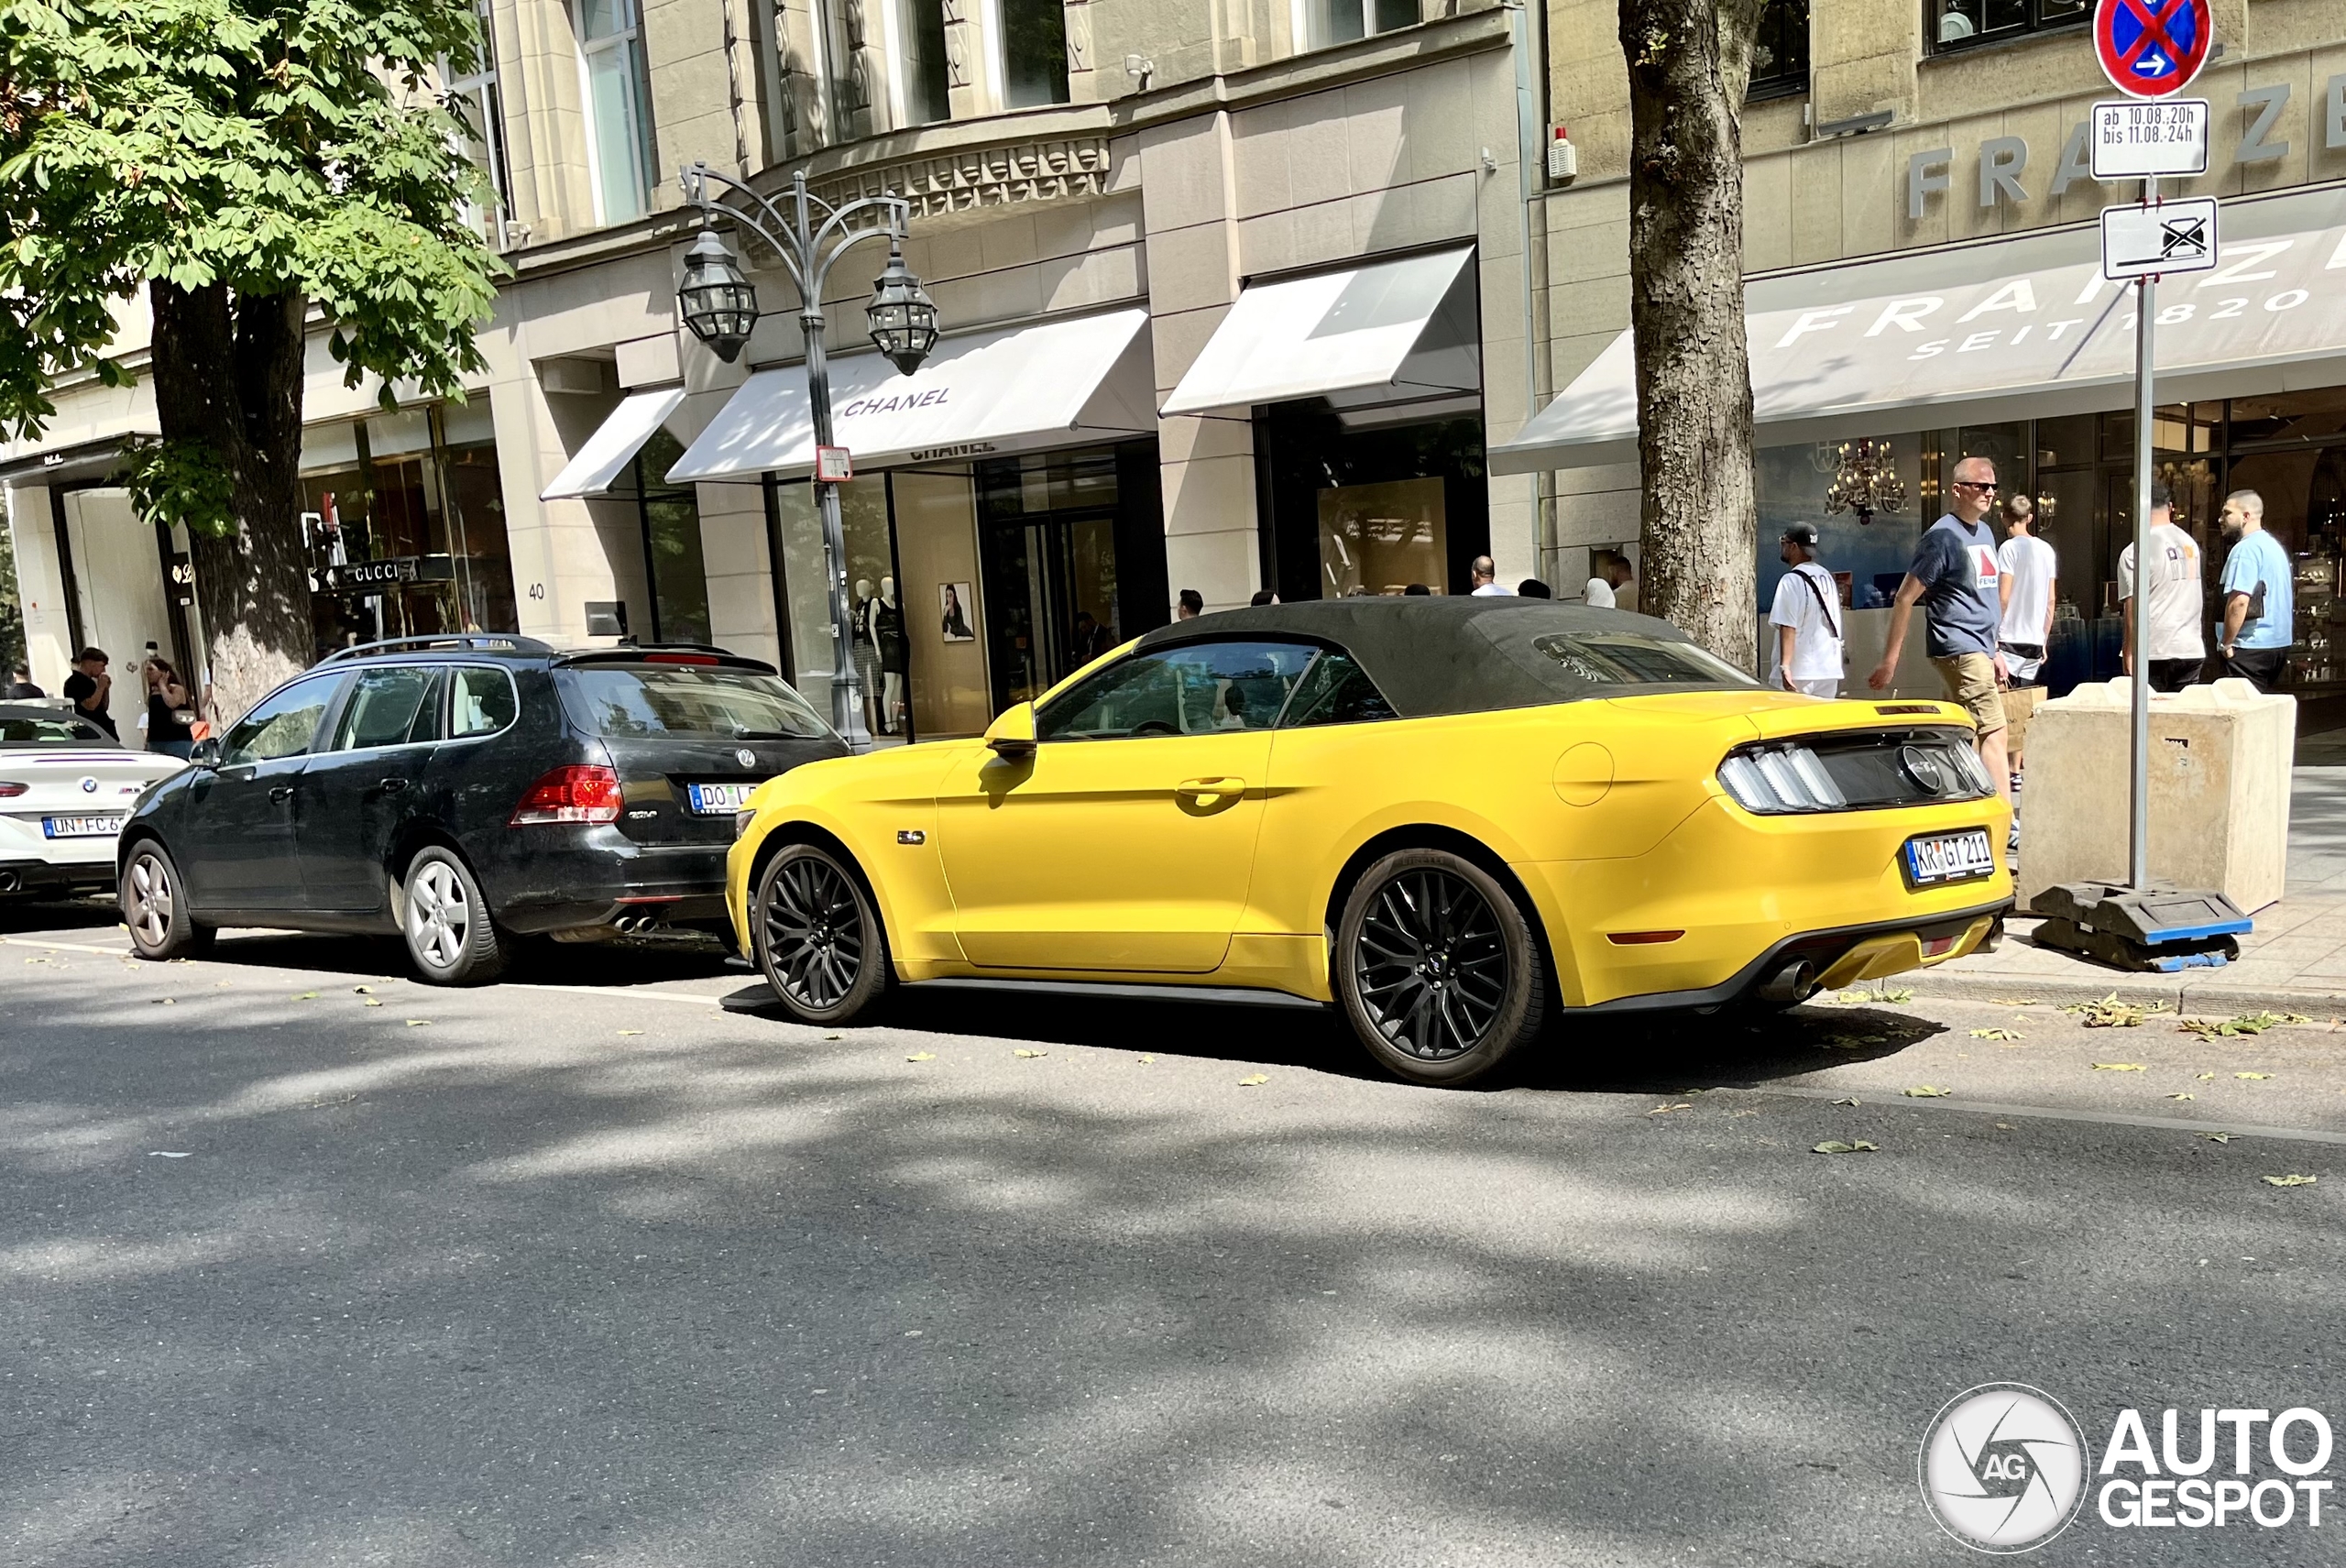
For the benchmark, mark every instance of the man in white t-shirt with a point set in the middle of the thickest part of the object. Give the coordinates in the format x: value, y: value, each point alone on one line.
x: 2028, y: 581
x: 1604, y: 589
x: 1807, y: 619
x: 1484, y: 574
x: 2172, y: 585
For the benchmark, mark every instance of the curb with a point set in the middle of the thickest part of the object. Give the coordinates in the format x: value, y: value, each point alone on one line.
x: 2187, y: 994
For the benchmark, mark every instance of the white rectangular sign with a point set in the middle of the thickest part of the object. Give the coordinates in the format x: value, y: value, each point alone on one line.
x: 2173, y: 236
x: 2136, y: 139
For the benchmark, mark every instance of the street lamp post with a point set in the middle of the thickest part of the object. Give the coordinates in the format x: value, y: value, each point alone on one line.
x: 720, y: 307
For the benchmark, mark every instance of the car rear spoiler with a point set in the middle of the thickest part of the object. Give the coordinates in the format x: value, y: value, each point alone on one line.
x: 703, y: 653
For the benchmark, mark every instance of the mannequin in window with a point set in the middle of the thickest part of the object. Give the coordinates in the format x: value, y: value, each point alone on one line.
x: 867, y: 655
x: 887, y: 630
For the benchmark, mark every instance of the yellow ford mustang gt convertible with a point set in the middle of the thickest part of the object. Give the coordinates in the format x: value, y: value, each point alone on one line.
x: 1463, y: 821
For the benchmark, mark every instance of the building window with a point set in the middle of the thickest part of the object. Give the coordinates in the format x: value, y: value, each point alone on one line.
x: 619, y: 108
x: 1959, y: 24
x: 921, y: 25
x: 1779, y: 51
x: 676, y: 577
x: 845, y: 69
x: 1340, y: 21
x: 1033, y: 52
x: 472, y: 95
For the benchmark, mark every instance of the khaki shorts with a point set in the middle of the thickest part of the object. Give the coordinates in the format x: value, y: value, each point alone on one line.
x: 2020, y: 704
x: 1971, y: 681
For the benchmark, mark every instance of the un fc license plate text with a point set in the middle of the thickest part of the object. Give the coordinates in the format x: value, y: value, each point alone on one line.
x: 719, y: 799
x: 80, y: 827
x: 1936, y: 859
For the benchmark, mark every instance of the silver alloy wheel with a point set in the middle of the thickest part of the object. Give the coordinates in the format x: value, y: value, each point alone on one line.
x: 439, y: 917
x: 151, y: 899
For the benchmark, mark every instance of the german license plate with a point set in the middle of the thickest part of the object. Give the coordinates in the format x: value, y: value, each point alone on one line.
x: 1933, y: 858
x: 718, y: 799
x: 80, y: 827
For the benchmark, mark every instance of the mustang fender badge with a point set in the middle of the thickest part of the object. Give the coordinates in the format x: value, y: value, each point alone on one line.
x: 911, y: 835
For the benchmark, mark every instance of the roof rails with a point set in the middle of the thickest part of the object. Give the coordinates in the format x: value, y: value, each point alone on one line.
x: 487, y: 641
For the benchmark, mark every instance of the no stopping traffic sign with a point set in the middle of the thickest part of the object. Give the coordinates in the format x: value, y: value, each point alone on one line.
x: 2152, y: 49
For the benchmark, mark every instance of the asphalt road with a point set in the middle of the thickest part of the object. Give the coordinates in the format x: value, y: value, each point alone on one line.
x: 607, y: 1266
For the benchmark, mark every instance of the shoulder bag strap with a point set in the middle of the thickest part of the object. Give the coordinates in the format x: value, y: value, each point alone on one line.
x: 1822, y: 608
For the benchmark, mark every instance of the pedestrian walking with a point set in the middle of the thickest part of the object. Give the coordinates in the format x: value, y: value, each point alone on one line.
x: 2029, y: 574
x: 1959, y: 582
x: 2260, y: 597
x: 1807, y: 617
x: 2174, y: 599
x: 1193, y: 605
x: 89, y: 688
x: 1484, y: 572
x: 1613, y: 574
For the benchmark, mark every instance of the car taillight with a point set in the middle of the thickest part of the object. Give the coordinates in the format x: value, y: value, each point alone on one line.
x: 10, y: 789
x: 578, y: 792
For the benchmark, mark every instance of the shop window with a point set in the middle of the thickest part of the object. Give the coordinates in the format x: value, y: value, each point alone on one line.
x: 472, y: 495
x: 1370, y: 508
x: 2294, y: 419
x: 473, y: 95
x: 881, y: 645
x: 1779, y: 51
x: 1340, y: 21
x: 1033, y: 52
x: 921, y: 41
x: 619, y: 108
x: 1965, y: 24
x: 672, y: 568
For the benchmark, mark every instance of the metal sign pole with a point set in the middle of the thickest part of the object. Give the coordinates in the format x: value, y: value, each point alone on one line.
x: 2146, y: 304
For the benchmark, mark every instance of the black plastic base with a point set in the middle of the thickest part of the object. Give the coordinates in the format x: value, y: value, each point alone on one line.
x: 2154, y: 930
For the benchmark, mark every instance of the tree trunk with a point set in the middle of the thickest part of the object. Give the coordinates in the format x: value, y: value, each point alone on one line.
x: 227, y: 374
x: 1689, y: 62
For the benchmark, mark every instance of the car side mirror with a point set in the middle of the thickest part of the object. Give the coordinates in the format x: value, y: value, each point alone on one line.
x: 204, y: 754
x: 1012, y: 735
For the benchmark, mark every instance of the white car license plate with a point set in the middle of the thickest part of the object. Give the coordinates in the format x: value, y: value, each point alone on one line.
x: 80, y: 827
x: 719, y: 799
x: 1936, y: 857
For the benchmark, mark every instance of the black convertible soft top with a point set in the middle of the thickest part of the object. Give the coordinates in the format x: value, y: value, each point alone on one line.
x: 1462, y: 654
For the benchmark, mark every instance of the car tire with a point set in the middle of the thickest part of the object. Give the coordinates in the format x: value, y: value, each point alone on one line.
x: 451, y: 938
x: 155, y: 908
x: 817, y: 938
x: 1439, y: 974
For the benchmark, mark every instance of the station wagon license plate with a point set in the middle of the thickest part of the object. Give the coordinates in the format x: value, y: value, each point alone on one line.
x: 1935, y: 859
x: 718, y: 799
x: 80, y: 827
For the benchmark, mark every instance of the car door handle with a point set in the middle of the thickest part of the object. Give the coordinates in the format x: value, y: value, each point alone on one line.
x: 391, y: 785
x: 280, y: 792
x: 1210, y: 792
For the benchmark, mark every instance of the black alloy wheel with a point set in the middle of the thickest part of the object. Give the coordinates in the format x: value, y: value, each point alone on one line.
x: 1438, y: 970
x: 818, y: 939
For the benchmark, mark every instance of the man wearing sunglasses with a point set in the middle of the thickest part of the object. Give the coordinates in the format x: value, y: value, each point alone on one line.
x: 1957, y: 580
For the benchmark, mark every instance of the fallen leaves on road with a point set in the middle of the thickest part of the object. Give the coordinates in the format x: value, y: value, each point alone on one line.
x: 2183, y: 1097
x: 2118, y: 1067
x: 2255, y: 1076
x: 922, y: 1055
x: 1252, y: 1079
x: 364, y: 990
x: 2111, y: 1014
x: 1023, y: 1051
x: 1846, y: 1100
x: 2291, y: 1181
x: 1894, y: 996
x: 2014, y: 1001
x: 1997, y: 1034
x: 305, y: 997
x: 164, y: 1001
x: 2244, y: 1024
x: 181, y: 1154
x: 417, y: 1023
x: 626, y: 1032
x: 2205, y: 1076
x: 1926, y: 1092
x: 1852, y: 1041
x: 1833, y: 1145
x: 2217, y: 1137
x: 1666, y: 1110
x: 1145, y: 1060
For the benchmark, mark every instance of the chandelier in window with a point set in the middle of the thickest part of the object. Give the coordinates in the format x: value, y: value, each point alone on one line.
x: 1865, y: 479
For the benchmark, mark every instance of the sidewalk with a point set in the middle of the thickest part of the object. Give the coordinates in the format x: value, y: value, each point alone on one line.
x: 2295, y: 960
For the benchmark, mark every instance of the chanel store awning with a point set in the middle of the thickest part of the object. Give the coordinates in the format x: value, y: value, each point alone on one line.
x: 2009, y: 329
x: 1016, y: 390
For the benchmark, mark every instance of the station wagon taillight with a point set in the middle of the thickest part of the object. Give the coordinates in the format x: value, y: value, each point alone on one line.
x: 576, y: 792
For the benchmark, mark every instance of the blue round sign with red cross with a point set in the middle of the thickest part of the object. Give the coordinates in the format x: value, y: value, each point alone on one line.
x: 2152, y: 49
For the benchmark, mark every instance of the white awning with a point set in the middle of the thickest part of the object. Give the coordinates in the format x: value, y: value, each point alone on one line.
x: 2009, y: 329
x: 1372, y: 326
x: 613, y: 446
x: 1011, y: 390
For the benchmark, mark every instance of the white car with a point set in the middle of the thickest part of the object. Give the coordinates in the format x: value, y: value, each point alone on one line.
x: 65, y: 787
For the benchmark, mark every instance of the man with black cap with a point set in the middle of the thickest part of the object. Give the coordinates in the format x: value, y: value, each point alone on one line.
x: 1807, y: 619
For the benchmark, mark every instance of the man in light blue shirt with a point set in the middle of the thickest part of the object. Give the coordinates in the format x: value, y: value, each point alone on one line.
x: 2260, y: 606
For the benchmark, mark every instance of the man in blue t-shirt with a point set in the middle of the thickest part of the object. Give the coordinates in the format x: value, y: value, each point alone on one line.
x: 2259, y: 602
x: 1958, y: 583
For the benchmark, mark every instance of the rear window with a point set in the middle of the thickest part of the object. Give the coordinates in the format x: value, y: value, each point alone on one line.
x: 1627, y: 658
x: 27, y: 729
x: 688, y: 701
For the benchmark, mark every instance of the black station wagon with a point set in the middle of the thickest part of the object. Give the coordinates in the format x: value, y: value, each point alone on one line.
x: 465, y: 792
